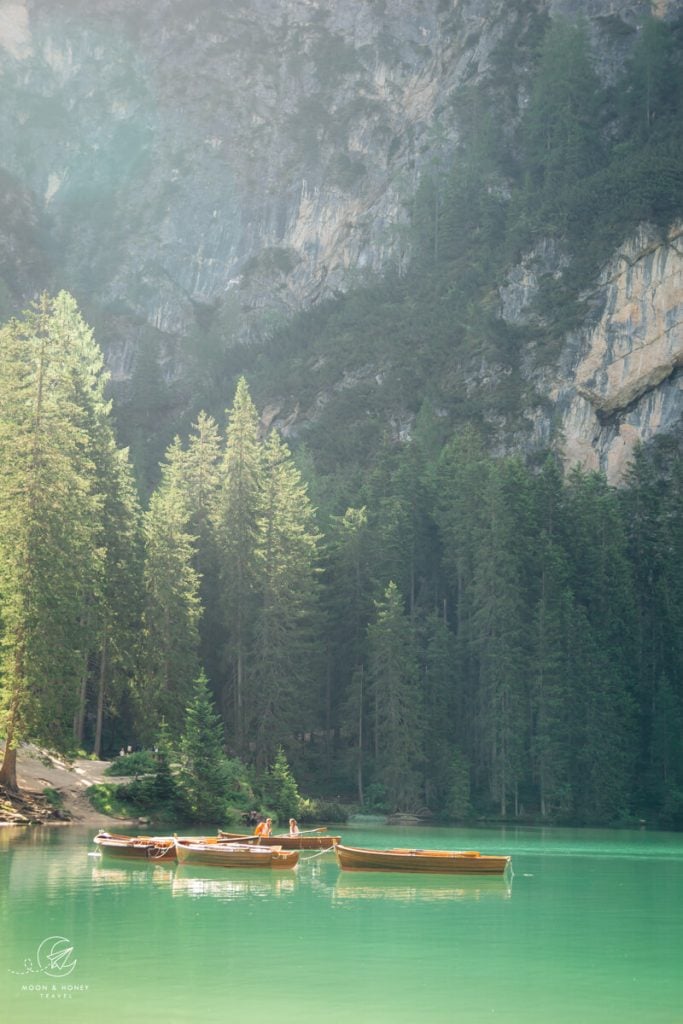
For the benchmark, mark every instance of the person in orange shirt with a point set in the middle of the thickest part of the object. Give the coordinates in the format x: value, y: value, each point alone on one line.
x: 263, y: 828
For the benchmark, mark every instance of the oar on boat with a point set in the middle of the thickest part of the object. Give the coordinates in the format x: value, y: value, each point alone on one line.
x: 301, y: 832
x: 238, y: 839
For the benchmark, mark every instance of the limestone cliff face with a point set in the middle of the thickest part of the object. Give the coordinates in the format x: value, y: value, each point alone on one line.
x: 255, y: 155
x: 619, y: 380
x: 626, y: 383
x: 187, y: 168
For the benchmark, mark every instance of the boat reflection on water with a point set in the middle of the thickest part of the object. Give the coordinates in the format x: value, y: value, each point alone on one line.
x: 428, y: 888
x: 235, y: 884
x: 131, y: 873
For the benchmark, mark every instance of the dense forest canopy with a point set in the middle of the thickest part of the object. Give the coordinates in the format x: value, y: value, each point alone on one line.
x: 413, y: 621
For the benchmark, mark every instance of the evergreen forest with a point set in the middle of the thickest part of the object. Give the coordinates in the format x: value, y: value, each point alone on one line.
x: 430, y: 622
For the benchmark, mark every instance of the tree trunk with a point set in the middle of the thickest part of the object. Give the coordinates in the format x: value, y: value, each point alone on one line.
x: 360, y: 742
x: 328, y: 708
x: 79, y: 719
x: 8, y: 771
x: 239, y: 686
x: 97, y: 747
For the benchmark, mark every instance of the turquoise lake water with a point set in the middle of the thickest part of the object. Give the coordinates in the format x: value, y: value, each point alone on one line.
x: 588, y: 929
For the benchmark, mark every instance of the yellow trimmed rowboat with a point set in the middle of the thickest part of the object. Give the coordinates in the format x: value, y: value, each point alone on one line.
x: 219, y: 854
x: 443, y: 862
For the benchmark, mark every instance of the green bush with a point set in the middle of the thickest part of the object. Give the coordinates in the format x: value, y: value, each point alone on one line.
x: 280, y: 791
x: 140, y: 792
x: 376, y: 798
x: 105, y: 798
x: 53, y: 797
x: 141, y: 762
x: 312, y: 810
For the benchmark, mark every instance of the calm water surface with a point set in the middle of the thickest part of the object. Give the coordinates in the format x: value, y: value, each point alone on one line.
x: 589, y: 928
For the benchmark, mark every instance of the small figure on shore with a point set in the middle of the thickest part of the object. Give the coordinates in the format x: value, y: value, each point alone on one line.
x: 293, y: 827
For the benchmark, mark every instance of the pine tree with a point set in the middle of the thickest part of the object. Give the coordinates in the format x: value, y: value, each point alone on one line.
x: 484, y: 519
x: 403, y: 534
x: 280, y: 789
x: 119, y: 606
x: 198, y: 477
x: 49, y: 524
x: 235, y: 520
x: 653, y: 97
x: 550, y: 686
x: 668, y: 707
x: 111, y: 607
x: 654, y: 524
x: 601, y: 652
x: 499, y: 599
x: 460, y: 480
x: 560, y: 131
x: 168, y: 660
x: 165, y: 785
x: 145, y: 410
x: 398, y: 712
x: 348, y: 607
x: 205, y: 771
x: 549, y: 683
x: 456, y: 804
x: 280, y: 696
x: 440, y: 701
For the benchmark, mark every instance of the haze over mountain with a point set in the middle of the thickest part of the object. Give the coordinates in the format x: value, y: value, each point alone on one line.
x: 198, y: 174
x: 437, y: 245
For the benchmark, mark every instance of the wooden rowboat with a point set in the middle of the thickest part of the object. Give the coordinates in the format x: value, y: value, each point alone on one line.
x: 136, y: 847
x: 142, y: 847
x: 445, y: 862
x: 304, y: 841
x: 233, y: 855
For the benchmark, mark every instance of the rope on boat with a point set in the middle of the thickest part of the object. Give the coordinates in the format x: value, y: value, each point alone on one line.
x: 155, y: 852
x: 325, y: 849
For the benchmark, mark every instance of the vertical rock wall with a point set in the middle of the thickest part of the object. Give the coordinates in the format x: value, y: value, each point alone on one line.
x: 621, y: 379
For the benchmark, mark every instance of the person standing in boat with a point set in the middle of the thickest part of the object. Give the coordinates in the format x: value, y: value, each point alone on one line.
x: 264, y: 828
x: 293, y: 827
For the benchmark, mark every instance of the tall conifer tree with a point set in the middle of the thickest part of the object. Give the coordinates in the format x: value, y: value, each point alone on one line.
x: 348, y: 607
x: 285, y: 659
x: 605, y: 740
x: 442, y: 727
x: 561, y: 125
x: 398, y: 715
x: 205, y: 771
x: 49, y: 524
x: 199, y: 482
x: 112, y: 609
x: 119, y: 608
x: 169, y: 661
x: 460, y: 479
x: 499, y: 633
x: 236, y: 514
x: 551, y: 600
x: 652, y: 503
